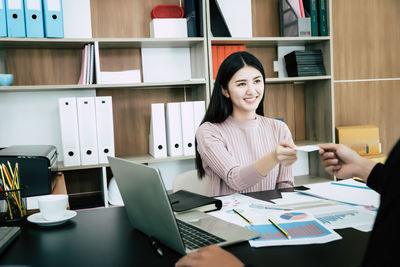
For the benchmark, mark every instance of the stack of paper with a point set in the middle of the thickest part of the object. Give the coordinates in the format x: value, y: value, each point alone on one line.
x: 302, y: 227
x: 346, y: 191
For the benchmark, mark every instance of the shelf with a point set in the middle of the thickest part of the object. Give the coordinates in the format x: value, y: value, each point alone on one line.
x: 22, y: 88
x: 309, y: 179
x: 150, y: 159
x: 148, y: 42
x: 297, y: 79
x: 270, y: 41
x: 103, y: 42
x: 144, y: 159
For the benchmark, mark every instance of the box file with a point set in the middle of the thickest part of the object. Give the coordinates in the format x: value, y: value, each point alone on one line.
x: 174, y: 130
x: 199, y: 110
x: 15, y: 18
x: 87, y: 130
x: 292, y: 24
x: 105, y: 128
x: 3, y: 19
x: 69, y: 131
x: 168, y: 28
x: 34, y: 18
x: 187, y: 128
x: 53, y: 18
x: 157, y: 136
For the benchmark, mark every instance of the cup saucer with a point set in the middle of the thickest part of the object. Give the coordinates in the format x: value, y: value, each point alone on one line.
x: 38, y: 219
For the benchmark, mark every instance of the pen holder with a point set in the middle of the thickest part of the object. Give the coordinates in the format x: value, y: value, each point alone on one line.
x: 12, y: 205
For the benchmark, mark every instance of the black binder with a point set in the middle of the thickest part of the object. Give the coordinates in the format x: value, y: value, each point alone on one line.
x: 183, y: 200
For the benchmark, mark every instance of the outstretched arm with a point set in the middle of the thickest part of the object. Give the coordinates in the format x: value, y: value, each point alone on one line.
x: 343, y: 162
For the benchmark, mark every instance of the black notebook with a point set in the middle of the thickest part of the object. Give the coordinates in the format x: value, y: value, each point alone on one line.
x: 183, y: 200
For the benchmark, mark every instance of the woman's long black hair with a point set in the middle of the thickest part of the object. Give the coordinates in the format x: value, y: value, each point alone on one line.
x: 221, y: 107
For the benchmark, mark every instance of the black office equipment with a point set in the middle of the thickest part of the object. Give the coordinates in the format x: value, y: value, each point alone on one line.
x: 37, y: 166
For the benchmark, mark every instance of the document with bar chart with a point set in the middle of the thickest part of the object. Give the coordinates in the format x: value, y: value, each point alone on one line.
x: 301, y: 232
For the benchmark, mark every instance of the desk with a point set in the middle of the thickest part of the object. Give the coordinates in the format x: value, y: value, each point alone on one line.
x: 104, y: 237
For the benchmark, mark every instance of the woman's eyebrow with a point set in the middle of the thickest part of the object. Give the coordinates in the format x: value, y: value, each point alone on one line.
x: 242, y: 80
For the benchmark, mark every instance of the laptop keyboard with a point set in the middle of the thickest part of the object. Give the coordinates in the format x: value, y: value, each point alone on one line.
x: 195, y: 238
x: 7, y: 234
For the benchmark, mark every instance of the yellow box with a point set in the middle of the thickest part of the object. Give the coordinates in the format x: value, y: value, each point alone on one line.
x: 364, y: 139
x: 380, y: 158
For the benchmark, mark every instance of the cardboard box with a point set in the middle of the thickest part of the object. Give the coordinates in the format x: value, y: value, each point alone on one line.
x: 380, y: 158
x: 364, y: 139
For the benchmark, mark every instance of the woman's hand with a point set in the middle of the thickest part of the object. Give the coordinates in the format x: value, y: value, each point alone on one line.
x: 285, y: 153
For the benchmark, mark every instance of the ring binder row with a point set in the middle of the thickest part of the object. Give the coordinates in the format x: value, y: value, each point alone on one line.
x: 172, y: 132
x: 31, y: 18
x: 87, y: 130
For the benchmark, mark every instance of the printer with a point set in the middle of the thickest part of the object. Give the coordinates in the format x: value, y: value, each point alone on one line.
x: 37, y: 166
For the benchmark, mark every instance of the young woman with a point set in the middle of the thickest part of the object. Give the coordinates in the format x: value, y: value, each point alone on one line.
x: 237, y: 147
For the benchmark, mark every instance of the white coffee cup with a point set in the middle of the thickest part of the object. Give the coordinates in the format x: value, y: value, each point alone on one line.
x: 53, y: 207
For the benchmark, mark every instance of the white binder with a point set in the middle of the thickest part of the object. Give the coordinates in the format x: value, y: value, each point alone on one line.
x: 97, y: 65
x: 174, y: 130
x: 77, y: 19
x: 105, y: 128
x: 87, y: 130
x: 187, y: 128
x: 157, y: 137
x: 199, y: 110
x: 69, y: 131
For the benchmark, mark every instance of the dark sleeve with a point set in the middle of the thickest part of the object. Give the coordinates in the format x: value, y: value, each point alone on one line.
x: 386, y: 174
x: 376, y: 178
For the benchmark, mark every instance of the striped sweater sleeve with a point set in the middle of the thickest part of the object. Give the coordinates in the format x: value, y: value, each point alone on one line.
x: 215, y: 155
x: 285, y: 176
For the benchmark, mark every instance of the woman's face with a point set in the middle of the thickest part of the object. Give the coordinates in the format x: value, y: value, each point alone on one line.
x: 246, y: 89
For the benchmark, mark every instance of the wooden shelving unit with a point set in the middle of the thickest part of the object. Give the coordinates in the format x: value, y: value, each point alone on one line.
x: 51, y: 68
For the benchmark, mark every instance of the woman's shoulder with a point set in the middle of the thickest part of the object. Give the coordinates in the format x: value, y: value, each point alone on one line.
x: 276, y: 124
x: 208, y: 128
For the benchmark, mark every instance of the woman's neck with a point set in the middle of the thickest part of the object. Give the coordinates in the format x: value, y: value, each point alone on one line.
x: 243, y: 116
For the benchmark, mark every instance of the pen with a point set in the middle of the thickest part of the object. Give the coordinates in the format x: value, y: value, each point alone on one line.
x: 270, y: 207
x: 156, y: 246
x: 280, y: 229
x: 238, y: 213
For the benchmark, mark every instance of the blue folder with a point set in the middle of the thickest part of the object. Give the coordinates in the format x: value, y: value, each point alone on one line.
x: 53, y: 18
x: 34, y: 18
x: 15, y: 18
x: 3, y: 19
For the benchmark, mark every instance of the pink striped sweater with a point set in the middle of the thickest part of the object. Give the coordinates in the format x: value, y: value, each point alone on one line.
x: 229, y: 150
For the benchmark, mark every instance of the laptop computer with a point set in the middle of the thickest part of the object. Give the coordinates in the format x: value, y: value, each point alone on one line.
x: 149, y: 211
x: 7, y: 235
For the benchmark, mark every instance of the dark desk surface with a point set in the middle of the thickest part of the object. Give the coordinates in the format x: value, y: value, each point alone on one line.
x: 104, y: 237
